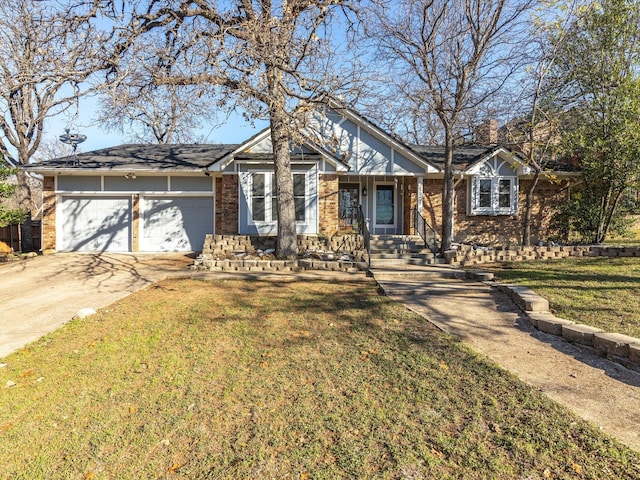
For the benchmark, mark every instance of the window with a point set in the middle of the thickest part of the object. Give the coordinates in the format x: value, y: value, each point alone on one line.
x: 258, y: 197
x: 299, y: 195
x: 494, y: 195
x: 264, y: 197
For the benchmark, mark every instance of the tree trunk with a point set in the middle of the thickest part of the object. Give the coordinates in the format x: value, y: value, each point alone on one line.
x: 287, y: 245
x: 528, y: 206
x: 609, y: 216
x: 287, y: 242
x: 448, y: 194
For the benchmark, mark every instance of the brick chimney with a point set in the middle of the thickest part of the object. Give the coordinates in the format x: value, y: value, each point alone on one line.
x: 487, y: 133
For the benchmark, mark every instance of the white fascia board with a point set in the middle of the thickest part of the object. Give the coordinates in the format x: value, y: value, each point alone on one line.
x: 221, y: 164
x: 80, y: 172
x: 513, y: 158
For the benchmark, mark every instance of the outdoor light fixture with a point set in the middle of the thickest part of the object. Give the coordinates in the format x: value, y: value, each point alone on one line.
x: 364, y: 191
x: 130, y: 176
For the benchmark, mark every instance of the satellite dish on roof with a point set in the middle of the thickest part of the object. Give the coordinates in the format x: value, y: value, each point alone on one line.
x: 73, y: 139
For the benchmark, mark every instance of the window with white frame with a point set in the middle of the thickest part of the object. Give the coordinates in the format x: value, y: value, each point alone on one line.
x: 264, y: 199
x: 492, y: 193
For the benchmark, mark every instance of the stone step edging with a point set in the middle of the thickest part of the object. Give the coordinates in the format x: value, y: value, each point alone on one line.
x: 619, y: 348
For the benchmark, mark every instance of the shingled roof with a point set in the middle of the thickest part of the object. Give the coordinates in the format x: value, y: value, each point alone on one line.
x: 185, y: 157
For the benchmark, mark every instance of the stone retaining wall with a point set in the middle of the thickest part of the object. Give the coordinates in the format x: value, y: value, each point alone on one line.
x: 616, y: 347
x: 467, y: 255
x: 207, y: 262
x: 224, y: 245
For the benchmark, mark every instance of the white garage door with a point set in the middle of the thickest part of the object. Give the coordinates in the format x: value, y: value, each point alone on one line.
x: 172, y: 224
x: 96, y: 224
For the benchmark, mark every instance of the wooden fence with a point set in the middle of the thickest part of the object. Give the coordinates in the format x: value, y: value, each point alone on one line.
x: 13, y: 235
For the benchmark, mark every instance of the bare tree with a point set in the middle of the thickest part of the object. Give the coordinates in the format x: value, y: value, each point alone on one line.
x: 269, y: 56
x: 46, y: 52
x: 132, y: 104
x: 537, y: 127
x: 459, y: 54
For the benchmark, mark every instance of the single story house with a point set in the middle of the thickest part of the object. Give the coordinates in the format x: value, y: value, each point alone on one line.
x: 154, y: 198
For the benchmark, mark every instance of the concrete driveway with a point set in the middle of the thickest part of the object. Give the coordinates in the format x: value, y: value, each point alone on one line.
x: 40, y: 294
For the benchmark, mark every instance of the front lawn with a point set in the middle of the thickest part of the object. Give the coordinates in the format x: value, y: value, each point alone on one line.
x: 268, y: 380
x: 603, y: 292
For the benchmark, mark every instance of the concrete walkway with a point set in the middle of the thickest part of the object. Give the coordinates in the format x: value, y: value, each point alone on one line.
x: 603, y: 392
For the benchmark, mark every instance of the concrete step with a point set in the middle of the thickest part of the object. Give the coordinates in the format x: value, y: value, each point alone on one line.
x: 415, y: 274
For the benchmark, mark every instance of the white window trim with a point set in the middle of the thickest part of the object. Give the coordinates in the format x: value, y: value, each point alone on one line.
x: 270, y: 187
x: 494, y: 209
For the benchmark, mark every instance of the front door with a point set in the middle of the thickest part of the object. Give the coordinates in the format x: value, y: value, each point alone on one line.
x: 385, y: 208
x: 348, y: 201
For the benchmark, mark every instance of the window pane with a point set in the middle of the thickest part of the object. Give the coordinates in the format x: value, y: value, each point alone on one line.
x: 274, y: 199
x: 299, y: 195
x: 257, y: 189
x: 484, y: 196
x: 299, y: 184
x: 274, y: 208
x: 257, y: 197
x: 504, y: 195
x: 257, y: 209
x: 300, y: 209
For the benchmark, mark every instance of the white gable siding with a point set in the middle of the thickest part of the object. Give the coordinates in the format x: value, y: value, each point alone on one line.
x: 365, y: 151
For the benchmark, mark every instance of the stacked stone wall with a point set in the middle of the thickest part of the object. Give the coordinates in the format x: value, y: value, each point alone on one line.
x: 468, y: 255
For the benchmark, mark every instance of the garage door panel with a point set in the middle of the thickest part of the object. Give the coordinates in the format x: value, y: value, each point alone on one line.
x: 96, y: 224
x: 176, y: 224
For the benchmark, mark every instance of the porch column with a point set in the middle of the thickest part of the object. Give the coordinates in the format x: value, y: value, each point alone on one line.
x: 420, y: 193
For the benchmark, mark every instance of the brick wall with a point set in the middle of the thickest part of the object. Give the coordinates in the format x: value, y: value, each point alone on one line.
x: 409, y: 202
x: 328, y: 204
x: 48, y: 215
x: 227, y: 205
x: 136, y: 223
x: 499, y: 229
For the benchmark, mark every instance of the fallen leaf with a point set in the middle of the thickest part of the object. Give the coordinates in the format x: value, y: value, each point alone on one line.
x: 175, y: 467
x: 546, y: 473
x: 444, y: 366
x: 304, y: 476
x: 437, y: 453
x: 6, y: 426
x: 89, y: 475
x: 133, y: 409
x: 27, y: 373
x: 577, y: 468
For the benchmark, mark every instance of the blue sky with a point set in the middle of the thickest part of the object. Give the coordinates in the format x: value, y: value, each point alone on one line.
x: 235, y: 130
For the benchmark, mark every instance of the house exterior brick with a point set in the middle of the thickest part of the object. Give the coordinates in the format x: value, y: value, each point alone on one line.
x: 48, y: 215
x: 227, y: 205
x: 136, y: 224
x: 410, y: 203
x: 495, y: 229
x: 328, y: 204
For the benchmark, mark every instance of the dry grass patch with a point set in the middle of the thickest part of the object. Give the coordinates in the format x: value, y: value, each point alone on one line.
x: 603, y: 292
x: 313, y: 380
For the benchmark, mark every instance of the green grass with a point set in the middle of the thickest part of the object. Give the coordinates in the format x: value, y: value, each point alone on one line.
x: 603, y: 292
x: 314, y: 380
